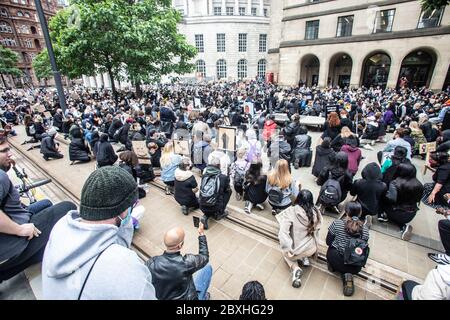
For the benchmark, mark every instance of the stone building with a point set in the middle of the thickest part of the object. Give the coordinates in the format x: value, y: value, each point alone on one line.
x: 359, y: 42
x: 230, y: 36
x: 21, y: 32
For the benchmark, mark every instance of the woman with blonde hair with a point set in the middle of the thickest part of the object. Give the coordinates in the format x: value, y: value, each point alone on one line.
x: 342, y: 138
x: 169, y: 163
x: 280, y: 187
x: 417, y: 135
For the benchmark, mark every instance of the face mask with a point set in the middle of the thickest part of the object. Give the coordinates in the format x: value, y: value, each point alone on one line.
x: 126, y: 229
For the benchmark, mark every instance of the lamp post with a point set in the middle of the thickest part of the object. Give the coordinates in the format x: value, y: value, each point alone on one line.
x: 56, y: 74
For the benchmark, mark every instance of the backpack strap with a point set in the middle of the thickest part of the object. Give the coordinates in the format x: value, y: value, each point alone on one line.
x: 85, y: 280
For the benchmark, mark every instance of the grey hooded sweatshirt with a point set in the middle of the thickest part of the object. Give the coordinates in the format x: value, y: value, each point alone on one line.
x: 71, y: 251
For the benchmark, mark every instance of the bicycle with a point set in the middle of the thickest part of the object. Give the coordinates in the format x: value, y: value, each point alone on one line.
x: 27, y: 187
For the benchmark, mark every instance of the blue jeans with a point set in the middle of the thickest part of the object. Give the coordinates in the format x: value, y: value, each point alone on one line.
x: 202, y: 279
x: 39, y: 206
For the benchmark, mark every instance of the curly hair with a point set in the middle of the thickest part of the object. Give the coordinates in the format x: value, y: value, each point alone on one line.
x: 253, y: 290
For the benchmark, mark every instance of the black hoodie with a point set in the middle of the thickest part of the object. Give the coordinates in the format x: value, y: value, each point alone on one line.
x: 323, y: 159
x: 370, y: 189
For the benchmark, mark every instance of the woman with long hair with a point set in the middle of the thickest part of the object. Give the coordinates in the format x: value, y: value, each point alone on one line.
x: 299, y: 232
x: 434, y: 192
x: 339, y: 235
x: 280, y: 187
x: 417, y: 135
x: 255, y: 187
x: 169, y: 163
x: 332, y: 126
x: 341, y: 139
x: 404, y: 193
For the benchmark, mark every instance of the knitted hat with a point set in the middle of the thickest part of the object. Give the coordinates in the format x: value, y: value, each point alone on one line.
x: 52, y: 131
x: 107, y: 192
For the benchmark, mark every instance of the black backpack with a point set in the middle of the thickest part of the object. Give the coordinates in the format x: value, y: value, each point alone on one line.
x: 330, y: 193
x: 239, y: 176
x: 209, y: 191
x: 275, y: 195
x: 356, y: 252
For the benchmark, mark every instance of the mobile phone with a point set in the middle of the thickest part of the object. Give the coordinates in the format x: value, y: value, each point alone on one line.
x: 196, y: 221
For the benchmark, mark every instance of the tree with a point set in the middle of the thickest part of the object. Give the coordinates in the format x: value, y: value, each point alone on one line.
x: 8, y: 62
x: 42, y: 67
x: 120, y: 37
x: 434, y: 4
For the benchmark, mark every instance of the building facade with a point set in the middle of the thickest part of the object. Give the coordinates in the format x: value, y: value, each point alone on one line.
x: 231, y: 37
x: 359, y: 42
x: 21, y: 32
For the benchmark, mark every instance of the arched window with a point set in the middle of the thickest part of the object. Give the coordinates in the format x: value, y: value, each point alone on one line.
x: 221, y: 69
x: 242, y: 69
x: 33, y: 30
x: 19, y: 14
x: 376, y: 70
x: 24, y: 2
x: 8, y: 42
x: 28, y: 43
x: 3, y: 12
x: 5, y: 27
x: 37, y: 44
x: 262, y: 68
x: 201, y: 67
x: 27, y: 14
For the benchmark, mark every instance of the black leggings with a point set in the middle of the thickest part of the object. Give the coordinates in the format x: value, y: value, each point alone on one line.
x: 336, y: 260
x: 43, y: 220
x: 444, y: 232
x: 399, y: 217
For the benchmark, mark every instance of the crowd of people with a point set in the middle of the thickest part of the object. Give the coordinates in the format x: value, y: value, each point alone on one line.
x: 96, y: 120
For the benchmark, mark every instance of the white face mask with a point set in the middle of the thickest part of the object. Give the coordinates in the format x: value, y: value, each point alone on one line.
x: 126, y: 230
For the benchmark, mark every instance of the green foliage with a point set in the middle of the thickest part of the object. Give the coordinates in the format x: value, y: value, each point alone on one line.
x: 8, y: 62
x: 434, y: 4
x: 42, y: 66
x: 137, y: 38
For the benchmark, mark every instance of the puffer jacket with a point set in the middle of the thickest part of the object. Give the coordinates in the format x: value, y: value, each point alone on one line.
x: 78, y: 150
x: 172, y: 273
x: 269, y: 128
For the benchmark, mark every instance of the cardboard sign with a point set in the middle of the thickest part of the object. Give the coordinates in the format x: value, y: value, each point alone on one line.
x: 425, y: 148
x: 226, y: 138
x: 197, y: 103
x: 249, y: 108
x: 181, y: 147
x: 141, y: 150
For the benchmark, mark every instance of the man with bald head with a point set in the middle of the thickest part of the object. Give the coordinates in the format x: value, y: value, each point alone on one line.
x: 178, y: 277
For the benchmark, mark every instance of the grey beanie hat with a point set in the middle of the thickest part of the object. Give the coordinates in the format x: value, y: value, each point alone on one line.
x: 107, y: 192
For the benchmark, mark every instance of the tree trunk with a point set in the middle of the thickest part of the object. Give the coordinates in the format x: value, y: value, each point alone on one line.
x: 113, y: 86
x: 3, y: 80
x: 137, y: 86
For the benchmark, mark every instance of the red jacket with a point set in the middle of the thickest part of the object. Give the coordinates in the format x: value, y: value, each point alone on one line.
x: 269, y: 128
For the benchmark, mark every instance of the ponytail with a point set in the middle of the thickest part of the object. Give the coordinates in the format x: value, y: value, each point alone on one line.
x: 353, y: 226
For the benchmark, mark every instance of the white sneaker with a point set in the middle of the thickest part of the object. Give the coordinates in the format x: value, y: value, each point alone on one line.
x: 260, y: 206
x: 296, y: 277
x: 306, y: 262
x: 368, y: 147
x: 407, y: 232
x: 368, y: 221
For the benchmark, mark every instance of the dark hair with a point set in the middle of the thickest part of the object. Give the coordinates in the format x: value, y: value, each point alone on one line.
x: 104, y: 137
x: 129, y: 157
x: 306, y: 201
x: 253, y: 174
x: 326, y: 142
x: 3, y: 138
x: 303, y: 130
x: 440, y: 157
x: 408, y: 187
x: 253, y: 290
x: 341, y: 160
x: 400, y: 132
x: 353, y: 226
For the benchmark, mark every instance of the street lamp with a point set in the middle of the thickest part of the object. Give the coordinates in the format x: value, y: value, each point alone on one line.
x: 56, y: 74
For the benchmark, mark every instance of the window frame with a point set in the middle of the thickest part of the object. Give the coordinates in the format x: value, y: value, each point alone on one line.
x: 306, y: 29
x: 351, y: 29
x: 242, y: 12
x: 227, y: 11
x: 199, y: 43
x: 221, y: 45
x: 7, y: 26
x: 224, y: 69
x: 258, y: 68
x: 260, y: 42
x: 198, y: 65
x: 242, y: 74
x: 244, y: 44
x: 254, y: 11
x: 439, y: 20
x: 217, y: 11
x: 374, y: 30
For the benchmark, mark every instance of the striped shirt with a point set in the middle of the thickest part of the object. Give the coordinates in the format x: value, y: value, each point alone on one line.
x: 342, y: 238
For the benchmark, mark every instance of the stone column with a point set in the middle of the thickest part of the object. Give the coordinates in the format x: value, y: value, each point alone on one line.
x: 185, y: 4
x: 261, y: 8
x: 440, y: 72
x: 106, y: 80
x: 323, y: 72
x: 93, y: 83
x: 236, y: 7
x: 224, y: 7
x: 99, y: 80
x: 211, y: 9
x: 357, y: 65
x: 394, y: 71
x: 249, y: 7
x: 86, y: 81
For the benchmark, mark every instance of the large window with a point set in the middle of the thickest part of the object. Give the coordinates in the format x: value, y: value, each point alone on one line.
x: 3, y: 12
x: 261, y: 69
x: 242, y: 69
x: 242, y: 11
x: 19, y: 13
x: 242, y: 42
x: 253, y: 11
x: 430, y: 18
x: 201, y: 67
x: 345, y: 26
x: 230, y: 11
x: 217, y: 11
x: 28, y: 43
x: 199, y: 43
x: 5, y: 27
x: 8, y: 42
x: 262, y: 42
x: 221, y: 42
x: 221, y: 69
x: 266, y: 12
x: 384, y: 21
x: 312, y: 30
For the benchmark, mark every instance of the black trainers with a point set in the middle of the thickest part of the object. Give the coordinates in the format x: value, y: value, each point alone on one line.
x: 349, y: 286
x: 184, y: 210
x: 440, y: 258
x: 383, y: 217
x: 204, y: 221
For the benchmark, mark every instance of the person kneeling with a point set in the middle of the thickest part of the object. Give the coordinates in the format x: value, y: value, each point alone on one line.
x: 49, y: 148
x: 186, y: 187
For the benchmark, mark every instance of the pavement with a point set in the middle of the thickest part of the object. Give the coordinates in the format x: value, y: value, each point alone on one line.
x: 237, y: 253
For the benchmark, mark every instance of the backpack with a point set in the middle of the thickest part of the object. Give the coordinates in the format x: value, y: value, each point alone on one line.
x: 252, y: 154
x: 209, y: 191
x: 117, y: 134
x: 239, y: 176
x: 356, y: 252
x: 330, y: 193
x: 275, y: 195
